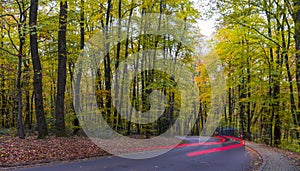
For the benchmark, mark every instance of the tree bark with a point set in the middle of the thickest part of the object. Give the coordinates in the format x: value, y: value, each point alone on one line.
x: 297, y: 44
x: 21, y: 31
x: 37, y: 69
x: 79, y: 73
x: 61, y: 81
x: 107, y: 67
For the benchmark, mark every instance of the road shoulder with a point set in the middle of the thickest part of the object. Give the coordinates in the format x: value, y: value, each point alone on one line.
x: 274, y: 159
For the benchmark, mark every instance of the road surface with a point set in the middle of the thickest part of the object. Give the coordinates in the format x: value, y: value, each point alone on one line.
x: 213, y: 156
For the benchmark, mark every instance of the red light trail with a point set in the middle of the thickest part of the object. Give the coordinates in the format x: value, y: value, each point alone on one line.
x: 213, y: 150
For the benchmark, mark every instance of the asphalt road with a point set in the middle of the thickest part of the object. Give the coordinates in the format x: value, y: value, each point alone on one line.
x: 214, y: 156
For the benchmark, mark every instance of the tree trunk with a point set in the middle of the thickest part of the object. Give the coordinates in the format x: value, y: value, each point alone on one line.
x: 286, y: 45
x: 21, y: 31
x: 248, y: 94
x: 61, y: 81
x: 37, y: 69
x: 297, y: 40
x: 117, y: 118
x: 78, y: 74
x: 21, y: 132
x: 276, y: 95
x: 242, y: 106
x: 107, y: 68
x: 271, y: 82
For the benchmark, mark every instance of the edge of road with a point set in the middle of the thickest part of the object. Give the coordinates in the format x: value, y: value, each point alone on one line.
x: 262, y: 166
x: 276, y: 159
x: 252, y: 152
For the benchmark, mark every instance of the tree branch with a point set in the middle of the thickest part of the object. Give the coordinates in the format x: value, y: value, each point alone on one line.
x: 7, y: 51
x: 257, y: 31
x: 9, y: 15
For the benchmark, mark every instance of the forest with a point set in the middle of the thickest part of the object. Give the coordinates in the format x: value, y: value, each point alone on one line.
x: 257, y: 42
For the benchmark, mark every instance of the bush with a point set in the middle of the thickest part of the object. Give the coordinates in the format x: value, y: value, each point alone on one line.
x: 294, y: 146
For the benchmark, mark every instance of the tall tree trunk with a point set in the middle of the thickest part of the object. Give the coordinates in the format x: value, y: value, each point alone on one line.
x: 201, y: 115
x: 21, y: 31
x: 297, y: 40
x: 2, y: 76
x: 78, y: 74
x: 107, y: 68
x: 21, y: 131
x: 276, y: 95
x: 37, y: 69
x: 242, y: 95
x: 230, y: 109
x: 276, y: 106
x: 242, y: 106
x: 286, y: 45
x: 27, y: 123
x: 230, y: 112
x: 61, y: 81
x: 248, y: 93
x: 268, y: 126
x: 116, y: 120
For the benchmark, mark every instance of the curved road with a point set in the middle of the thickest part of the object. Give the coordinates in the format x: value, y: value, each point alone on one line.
x: 215, y: 155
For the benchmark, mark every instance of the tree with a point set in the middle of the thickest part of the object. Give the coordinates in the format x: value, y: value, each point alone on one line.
x: 78, y: 76
x: 267, y: 30
x: 297, y: 44
x: 21, y: 26
x: 61, y: 79
x: 37, y: 69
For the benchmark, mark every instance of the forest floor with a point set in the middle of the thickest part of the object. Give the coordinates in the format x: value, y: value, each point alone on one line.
x: 31, y: 151
x: 15, y: 151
